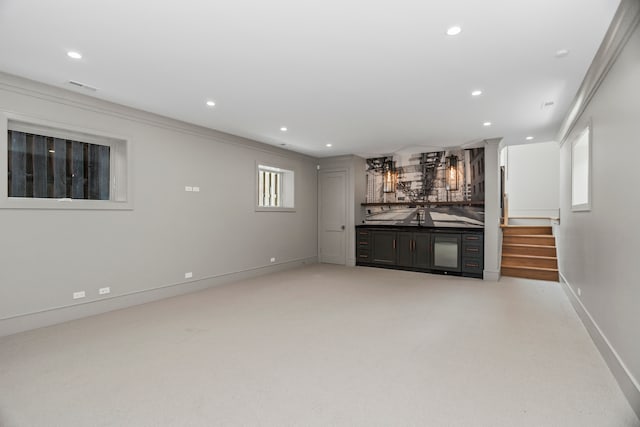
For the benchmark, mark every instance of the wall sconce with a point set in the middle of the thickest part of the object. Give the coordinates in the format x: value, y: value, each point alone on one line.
x: 452, y: 173
x: 390, y: 176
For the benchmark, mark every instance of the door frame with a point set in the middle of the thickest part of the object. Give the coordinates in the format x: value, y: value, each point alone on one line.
x: 348, y: 219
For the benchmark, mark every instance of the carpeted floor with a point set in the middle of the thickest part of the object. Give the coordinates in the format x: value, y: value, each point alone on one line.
x: 320, y: 346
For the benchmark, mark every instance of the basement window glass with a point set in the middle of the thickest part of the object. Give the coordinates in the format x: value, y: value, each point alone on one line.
x: 47, y: 166
x: 275, y: 188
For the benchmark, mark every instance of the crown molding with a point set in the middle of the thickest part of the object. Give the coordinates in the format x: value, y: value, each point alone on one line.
x: 624, y: 22
x: 62, y: 96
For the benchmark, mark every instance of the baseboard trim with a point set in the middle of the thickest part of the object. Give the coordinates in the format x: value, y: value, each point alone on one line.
x: 492, y: 276
x: 628, y: 384
x: 52, y: 316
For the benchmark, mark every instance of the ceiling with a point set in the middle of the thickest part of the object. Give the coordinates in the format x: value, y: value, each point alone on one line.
x: 370, y: 77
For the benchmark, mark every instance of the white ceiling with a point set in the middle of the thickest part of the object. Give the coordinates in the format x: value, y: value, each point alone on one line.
x: 368, y: 76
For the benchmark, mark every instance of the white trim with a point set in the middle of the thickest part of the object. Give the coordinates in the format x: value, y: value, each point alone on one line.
x: 624, y: 22
x: 490, y: 275
x: 627, y: 382
x: 120, y: 191
x: 287, y: 186
x: 586, y: 205
x: 54, y: 315
x: 273, y: 209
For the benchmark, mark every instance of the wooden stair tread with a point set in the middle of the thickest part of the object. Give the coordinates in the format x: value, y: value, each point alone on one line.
x: 527, y: 236
x: 524, y: 226
x: 529, y: 250
x: 529, y: 256
x: 527, y: 245
x: 525, y: 267
x: 544, y: 260
x: 513, y: 230
x: 551, y: 275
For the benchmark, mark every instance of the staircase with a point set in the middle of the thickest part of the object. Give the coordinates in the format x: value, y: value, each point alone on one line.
x: 529, y: 252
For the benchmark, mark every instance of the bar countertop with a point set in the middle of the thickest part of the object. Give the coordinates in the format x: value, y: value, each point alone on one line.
x: 409, y: 227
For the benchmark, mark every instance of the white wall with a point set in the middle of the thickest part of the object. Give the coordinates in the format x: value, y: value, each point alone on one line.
x: 216, y: 234
x: 532, y: 173
x: 598, y: 249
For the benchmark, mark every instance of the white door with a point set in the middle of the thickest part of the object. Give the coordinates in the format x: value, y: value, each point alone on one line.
x: 332, y: 217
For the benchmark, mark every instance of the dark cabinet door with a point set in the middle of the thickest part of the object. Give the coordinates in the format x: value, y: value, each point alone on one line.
x: 383, y: 246
x: 405, y: 249
x: 421, y: 250
x: 414, y: 250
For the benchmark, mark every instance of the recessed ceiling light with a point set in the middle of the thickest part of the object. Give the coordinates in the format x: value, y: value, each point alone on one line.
x: 211, y: 104
x: 454, y: 31
x: 476, y: 93
x: 329, y: 145
x: 529, y: 138
x: 74, y: 55
x: 562, y: 53
x: 486, y: 124
x: 284, y: 129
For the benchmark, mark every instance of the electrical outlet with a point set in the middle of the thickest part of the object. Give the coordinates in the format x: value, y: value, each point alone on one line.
x: 188, y: 275
x: 196, y: 189
x: 104, y: 291
x: 273, y: 259
x: 579, y: 292
x: 78, y: 295
x: 187, y: 188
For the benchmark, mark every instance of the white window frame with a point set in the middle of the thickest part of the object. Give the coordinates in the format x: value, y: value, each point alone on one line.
x: 120, y: 194
x: 286, y: 188
x: 581, y: 170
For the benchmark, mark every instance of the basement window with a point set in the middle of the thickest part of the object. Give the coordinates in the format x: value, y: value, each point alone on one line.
x: 53, y: 168
x: 581, y: 171
x: 275, y: 189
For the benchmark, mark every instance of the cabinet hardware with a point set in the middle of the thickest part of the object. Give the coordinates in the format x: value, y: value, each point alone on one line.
x: 394, y: 243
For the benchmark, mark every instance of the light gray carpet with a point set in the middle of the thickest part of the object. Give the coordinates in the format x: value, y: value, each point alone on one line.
x: 320, y: 346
